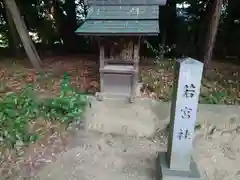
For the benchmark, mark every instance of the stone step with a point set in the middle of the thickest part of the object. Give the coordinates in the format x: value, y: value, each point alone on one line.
x: 121, y: 117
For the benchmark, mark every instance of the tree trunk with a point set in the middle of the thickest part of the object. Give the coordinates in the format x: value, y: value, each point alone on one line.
x: 230, y: 26
x: 70, y: 25
x: 162, y: 24
x: 13, y: 38
x: 23, y: 33
x: 214, y: 18
x: 66, y: 23
x: 59, y: 18
x: 170, y: 21
x: 203, y: 24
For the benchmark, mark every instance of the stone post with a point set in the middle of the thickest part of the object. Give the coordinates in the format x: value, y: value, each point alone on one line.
x: 178, y: 163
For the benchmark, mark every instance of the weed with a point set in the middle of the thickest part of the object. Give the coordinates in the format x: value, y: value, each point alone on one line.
x: 19, y: 109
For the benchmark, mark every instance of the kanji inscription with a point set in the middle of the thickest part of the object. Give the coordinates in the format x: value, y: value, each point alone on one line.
x: 186, y: 112
x: 189, y: 91
x: 184, y: 134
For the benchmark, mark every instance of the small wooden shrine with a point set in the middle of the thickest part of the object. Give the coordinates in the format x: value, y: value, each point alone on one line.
x: 120, y: 24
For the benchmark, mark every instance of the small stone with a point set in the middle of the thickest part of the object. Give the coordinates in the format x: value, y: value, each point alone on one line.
x: 99, y: 147
x: 69, y: 128
x: 216, y: 134
x: 212, y: 130
x: 124, y: 128
x: 226, y: 134
x: 198, y: 126
x: 233, y: 120
x: 238, y: 173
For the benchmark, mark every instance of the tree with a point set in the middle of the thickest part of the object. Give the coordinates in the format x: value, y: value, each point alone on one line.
x: 168, y: 23
x: 66, y: 22
x: 231, y: 28
x: 11, y: 6
x: 213, y: 14
x: 13, y: 38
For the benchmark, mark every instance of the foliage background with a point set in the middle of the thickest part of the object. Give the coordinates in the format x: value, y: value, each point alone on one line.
x: 52, y: 24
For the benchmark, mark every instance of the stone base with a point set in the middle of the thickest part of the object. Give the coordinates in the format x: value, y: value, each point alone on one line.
x: 122, y: 118
x: 164, y: 173
x: 110, y: 96
x: 100, y: 96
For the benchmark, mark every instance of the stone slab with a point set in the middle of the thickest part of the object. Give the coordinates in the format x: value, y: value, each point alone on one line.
x: 164, y: 173
x: 121, y: 117
x: 112, y: 96
x: 101, y: 96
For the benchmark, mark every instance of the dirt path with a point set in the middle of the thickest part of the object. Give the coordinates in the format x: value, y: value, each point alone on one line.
x: 102, y: 156
x: 98, y: 156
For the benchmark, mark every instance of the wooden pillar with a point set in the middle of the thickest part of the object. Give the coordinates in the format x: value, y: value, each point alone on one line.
x: 101, y: 59
x: 136, y: 69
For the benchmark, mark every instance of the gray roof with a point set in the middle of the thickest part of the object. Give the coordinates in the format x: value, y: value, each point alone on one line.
x: 123, y: 12
x: 125, y: 2
x: 124, y: 27
x: 121, y: 20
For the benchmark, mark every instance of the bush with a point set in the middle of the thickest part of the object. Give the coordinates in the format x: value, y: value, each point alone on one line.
x: 19, y: 109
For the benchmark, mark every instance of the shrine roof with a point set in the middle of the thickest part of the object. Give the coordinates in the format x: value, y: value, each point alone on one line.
x: 123, y: 12
x: 119, y: 27
x: 125, y: 2
x: 121, y: 20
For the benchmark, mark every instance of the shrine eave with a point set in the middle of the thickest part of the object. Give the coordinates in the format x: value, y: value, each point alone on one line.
x: 119, y: 27
x: 125, y: 2
x: 116, y: 34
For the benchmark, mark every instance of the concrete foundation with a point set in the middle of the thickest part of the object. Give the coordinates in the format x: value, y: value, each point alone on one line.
x: 165, y: 173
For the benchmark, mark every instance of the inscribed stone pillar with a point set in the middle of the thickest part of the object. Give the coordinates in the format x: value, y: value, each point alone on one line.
x: 178, y: 162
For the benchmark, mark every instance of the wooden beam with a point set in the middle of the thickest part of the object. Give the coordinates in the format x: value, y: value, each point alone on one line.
x: 101, y: 58
x: 29, y: 47
x: 136, y: 58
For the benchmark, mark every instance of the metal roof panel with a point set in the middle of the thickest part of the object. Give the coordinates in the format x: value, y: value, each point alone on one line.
x: 107, y: 27
x: 123, y: 12
x: 125, y: 2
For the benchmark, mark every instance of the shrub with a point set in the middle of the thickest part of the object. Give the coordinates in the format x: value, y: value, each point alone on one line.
x: 19, y: 109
